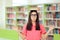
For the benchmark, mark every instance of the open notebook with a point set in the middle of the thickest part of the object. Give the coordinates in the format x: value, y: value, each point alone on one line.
x: 8, y: 35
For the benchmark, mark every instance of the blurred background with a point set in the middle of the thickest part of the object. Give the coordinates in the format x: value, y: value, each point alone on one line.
x: 14, y: 13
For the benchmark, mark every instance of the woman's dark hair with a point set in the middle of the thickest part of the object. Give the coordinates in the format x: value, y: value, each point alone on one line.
x: 29, y: 24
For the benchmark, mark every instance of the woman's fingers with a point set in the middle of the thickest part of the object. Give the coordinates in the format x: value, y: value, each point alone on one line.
x: 51, y: 27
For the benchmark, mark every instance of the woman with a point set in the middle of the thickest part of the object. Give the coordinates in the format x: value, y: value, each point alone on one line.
x: 33, y: 30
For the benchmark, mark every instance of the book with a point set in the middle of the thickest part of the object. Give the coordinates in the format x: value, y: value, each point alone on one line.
x: 21, y: 15
x: 21, y: 21
x: 48, y: 7
x: 21, y: 9
x: 11, y: 15
x: 57, y: 14
x: 55, y: 31
x: 53, y: 7
x: 10, y: 21
x: 50, y: 22
x: 58, y: 6
x: 58, y: 23
x: 9, y: 9
x: 49, y: 15
x: 9, y: 26
x: 59, y: 31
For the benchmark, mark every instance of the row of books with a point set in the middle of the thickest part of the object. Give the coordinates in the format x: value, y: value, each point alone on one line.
x: 57, y: 14
x: 51, y: 22
x: 58, y: 23
x: 18, y: 26
x: 39, y: 8
x: 52, y: 7
x: 9, y: 9
x: 57, y: 6
x: 10, y: 21
x: 9, y: 26
x: 55, y: 31
x: 49, y: 15
x: 11, y: 15
x: 19, y: 21
x: 23, y: 9
x: 52, y: 14
x: 19, y: 15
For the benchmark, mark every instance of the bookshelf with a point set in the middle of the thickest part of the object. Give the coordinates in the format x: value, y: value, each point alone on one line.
x: 52, y: 17
x: 49, y: 14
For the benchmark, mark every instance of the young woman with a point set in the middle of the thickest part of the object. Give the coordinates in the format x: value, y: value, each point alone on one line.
x: 33, y: 30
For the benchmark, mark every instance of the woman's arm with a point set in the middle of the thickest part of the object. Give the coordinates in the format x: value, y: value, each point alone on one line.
x: 44, y: 36
x: 21, y: 35
x: 50, y: 29
x: 19, y: 32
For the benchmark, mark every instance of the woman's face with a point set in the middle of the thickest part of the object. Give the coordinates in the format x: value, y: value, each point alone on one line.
x: 33, y: 16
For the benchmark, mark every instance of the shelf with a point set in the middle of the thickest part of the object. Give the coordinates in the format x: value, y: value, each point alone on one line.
x: 57, y: 27
x: 10, y: 24
x: 20, y: 24
x: 53, y: 11
x: 11, y: 12
x: 11, y: 18
x: 51, y: 34
x: 49, y: 19
x: 56, y: 19
x: 49, y: 14
x: 21, y: 12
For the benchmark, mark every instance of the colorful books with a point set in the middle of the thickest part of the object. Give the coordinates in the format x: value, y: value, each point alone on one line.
x: 59, y: 31
x: 10, y: 21
x: 57, y: 14
x: 49, y: 15
x: 11, y: 15
x: 58, y: 23
x: 50, y: 22
x: 55, y: 31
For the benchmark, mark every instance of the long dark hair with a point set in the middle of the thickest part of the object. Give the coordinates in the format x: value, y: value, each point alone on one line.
x: 29, y: 24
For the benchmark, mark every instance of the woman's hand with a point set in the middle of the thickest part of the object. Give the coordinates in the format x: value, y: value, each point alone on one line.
x: 20, y: 34
x: 15, y: 28
x: 51, y: 27
x: 44, y: 37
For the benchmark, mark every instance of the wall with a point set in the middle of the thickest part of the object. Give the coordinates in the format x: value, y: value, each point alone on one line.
x: 3, y: 4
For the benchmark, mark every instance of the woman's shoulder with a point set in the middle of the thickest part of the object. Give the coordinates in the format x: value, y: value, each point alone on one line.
x: 41, y: 25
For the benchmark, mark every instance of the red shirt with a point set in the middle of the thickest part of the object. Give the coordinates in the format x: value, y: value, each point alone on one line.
x: 34, y: 34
